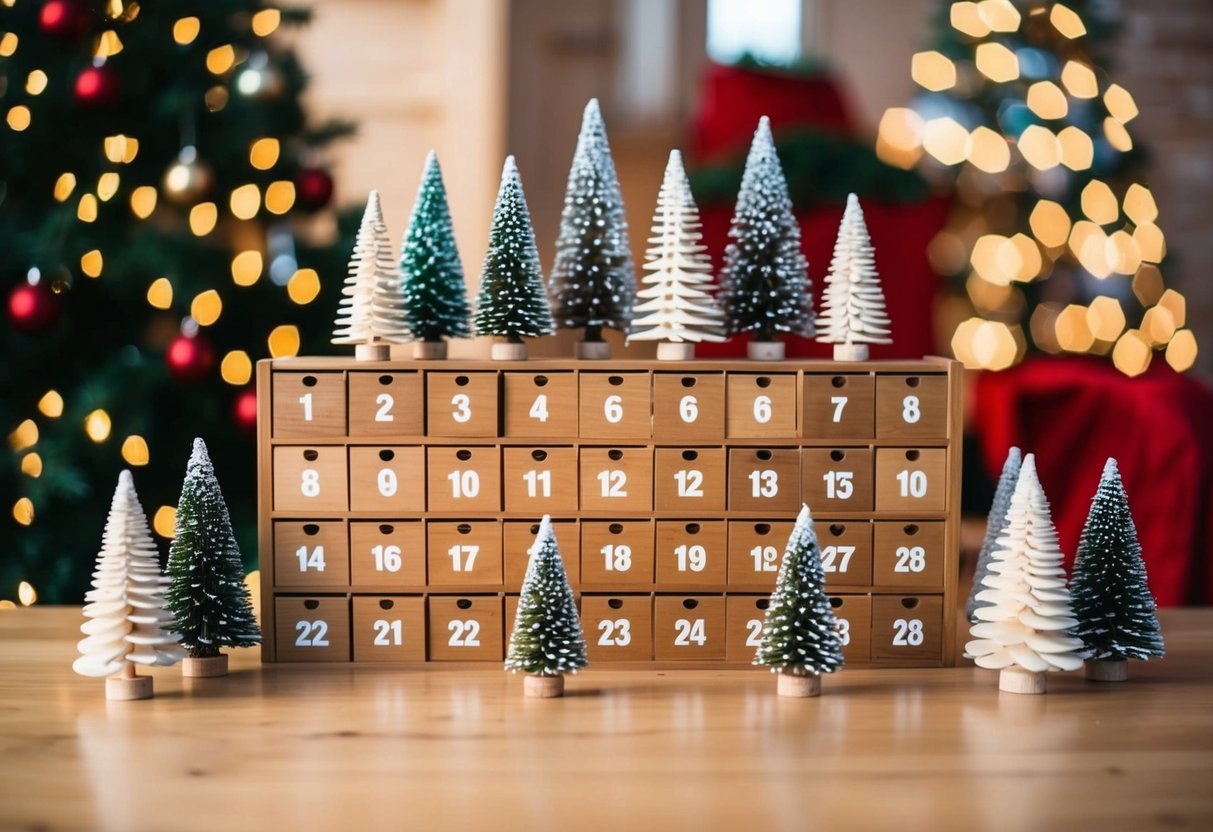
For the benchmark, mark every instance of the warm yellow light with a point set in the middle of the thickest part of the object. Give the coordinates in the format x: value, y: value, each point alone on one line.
x: 1139, y: 204
x: 999, y: 15
x: 216, y: 98
x: 246, y: 268
x: 997, y: 62
x: 134, y: 450
x: 1047, y: 100
x: 1091, y: 246
x: 165, y: 521
x: 23, y: 511
x: 280, y: 196
x: 206, y: 307
x: 1027, y: 253
x: 1150, y: 242
x: 898, y: 137
x: 236, y: 367
x: 1117, y: 135
x: 26, y: 595
x: 1120, y: 103
x: 121, y: 149
x: 1066, y: 21
x: 992, y: 262
x: 246, y: 202
x: 962, y: 341
x: 284, y: 341
x: 107, y: 185
x: 304, y: 286
x: 1077, y: 149
x: 266, y: 21
x: 1079, y: 79
x: 1158, y: 325
x: 1132, y: 353
x: 51, y: 404
x: 1099, y: 203
x: 1044, y: 327
x: 19, y: 117
x: 987, y: 297
x: 1050, y: 223
x: 945, y: 139
x: 220, y: 59
x: 64, y: 185
x: 143, y: 201
x: 988, y: 151
x: 8, y: 44
x: 1147, y: 284
x: 1105, y: 318
x: 24, y: 436
x: 1181, y: 352
x: 186, y: 29
x: 31, y: 465
x: 203, y: 217
x: 1072, y: 330
x: 86, y: 211
x: 35, y: 82
x: 97, y: 425
x: 6, y: 604
x: 160, y: 293
x: 1039, y: 147
x: 995, y: 346
x: 108, y: 44
x: 967, y: 18
x: 91, y: 263
x: 1175, y: 303
x: 263, y: 154
x: 933, y: 71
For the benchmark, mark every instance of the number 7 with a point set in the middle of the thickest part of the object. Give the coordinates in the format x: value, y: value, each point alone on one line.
x: 839, y: 403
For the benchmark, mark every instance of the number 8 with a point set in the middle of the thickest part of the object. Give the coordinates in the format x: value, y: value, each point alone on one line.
x: 909, y: 410
x: 310, y: 485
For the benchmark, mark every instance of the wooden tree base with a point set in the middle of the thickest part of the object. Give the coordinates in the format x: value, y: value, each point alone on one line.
x: 1018, y: 680
x: 593, y: 350
x: 765, y: 351
x: 429, y: 350
x: 850, y: 352
x: 127, y: 688
x: 205, y: 667
x: 798, y: 686
x: 675, y: 351
x: 507, y: 351
x: 372, y: 352
x: 543, y: 687
x: 1107, y: 670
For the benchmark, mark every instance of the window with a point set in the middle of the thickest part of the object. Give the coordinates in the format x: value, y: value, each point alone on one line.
x: 769, y: 31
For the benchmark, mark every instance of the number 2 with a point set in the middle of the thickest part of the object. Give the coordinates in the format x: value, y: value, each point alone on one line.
x: 690, y: 483
x: 689, y: 631
x: 907, y: 633
x: 754, y: 629
x: 910, y: 559
x: 312, y: 634
x: 830, y: 553
x: 613, y: 483
x: 463, y: 633
x: 383, y: 628
x: 384, y: 413
x: 617, y: 633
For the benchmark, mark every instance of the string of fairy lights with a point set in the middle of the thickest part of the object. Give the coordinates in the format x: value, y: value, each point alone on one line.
x: 1057, y: 121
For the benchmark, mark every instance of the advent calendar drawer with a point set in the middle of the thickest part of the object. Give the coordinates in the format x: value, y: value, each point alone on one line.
x: 688, y: 628
x: 461, y: 404
x: 909, y: 555
x: 837, y: 479
x: 387, y: 554
x: 691, y: 553
x: 313, y: 629
x: 389, y: 628
x: 907, y: 630
x: 464, y: 479
x: 618, y: 628
x: 846, y: 551
x: 617, y: 554
x: 614, y: 405
x: 912, y: 407
x: 689, y: 479
x: 464, y: 554
x: 911, y: 479
x: 760, y: 405
x: 310, y: 554
x: 755, y: 552
x: 839, y: 406
x: 308, y: 404
x: 518, y: 536
x: 616, y: 479
x: 386, y: 404
x: 387, y: 479
x: 465, y: 628
x: 764, y: 479
x: 310, y: 479
x: 688, y: 407
x: 541, y: 481
x: 854, y: 614
x: 541, y: 404
x: 744, y: 615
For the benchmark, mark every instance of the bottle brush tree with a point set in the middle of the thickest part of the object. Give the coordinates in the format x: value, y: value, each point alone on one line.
x: 852, y: 309
x: 995, y: 523
x: 370, y: 314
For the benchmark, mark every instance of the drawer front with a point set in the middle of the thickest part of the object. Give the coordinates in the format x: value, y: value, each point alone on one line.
x: 688, y: 627
x: 313, y: 629
x: 617, y: 479
x: 389, y: 628
x: 846, y: 551
x: 909, y: 555
x: 838, y: 479
x: 310, y: 478
x: 911, y: 479
x: 691, y: 553
x: 912, y: 407
x: 618, y: 628
x: 689, y: 479
x: 854, y: 614
x: 387, y: 479
x: 744, y: 616
x: 465, y: 628
x: 518, y: 536
x: 308, y: 404
x: 839, y: 406
x: 386, y: 404
x: 540, y: 481
x: 907, y: 629
x: 764, y: 479
x: 614, y: 405
x: 461, y: 404
x: 688, y: 407
x: 755, y: 552
x: 464, y: 479
x: 310, y: 555
x: 760, y: 405
x: 464, y: 554
x: 617, y: 554
x: 387, y: 554
x: 540, y: 405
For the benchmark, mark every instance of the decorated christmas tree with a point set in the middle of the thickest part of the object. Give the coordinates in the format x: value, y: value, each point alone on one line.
x: 371, y: 312
x: 593, y: 281
x: 435, y: 298
x: 765, y: 286
x: 127, y: 620
x: 207, y: 593
x: 800, y: 638
x: 676, y: 306
x: 995, y: 523
x: 1025, y: 627
x: 1112, y: 600
x: 547, y: 641
x: 166, y: 222
x: 512, y: 302
x: 852, y: 309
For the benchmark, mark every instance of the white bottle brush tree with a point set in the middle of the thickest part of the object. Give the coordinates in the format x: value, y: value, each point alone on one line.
x: 127, y: 619
x: 995, y: 523
x: 852, y: 309
x: 1116, y: 613
x: 800, y: 635
x: 207, y: 593
x: 371, y: 314
x: 593, y: 280
x: 765, y: 287
x: 547, y: 641
x: 1025, y: 626
x: 677, y: 306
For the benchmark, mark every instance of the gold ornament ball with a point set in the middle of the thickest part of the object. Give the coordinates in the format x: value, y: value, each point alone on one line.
x: 188, y: 179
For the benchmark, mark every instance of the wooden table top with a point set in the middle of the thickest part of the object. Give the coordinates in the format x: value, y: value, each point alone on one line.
x: 290, y: 748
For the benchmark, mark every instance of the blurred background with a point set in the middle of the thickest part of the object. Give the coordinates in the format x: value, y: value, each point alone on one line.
x: 180, y: 185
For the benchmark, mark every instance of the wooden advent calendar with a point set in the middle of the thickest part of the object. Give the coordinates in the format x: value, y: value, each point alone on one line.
x: 398, y: 501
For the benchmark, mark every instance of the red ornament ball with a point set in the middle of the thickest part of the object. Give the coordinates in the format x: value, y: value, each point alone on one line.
x: 190, y: 359
x: 97, y: 87
x: 64, y: 19
x: 33, y: 309
x: 313, y: 188
x: 244, y: 410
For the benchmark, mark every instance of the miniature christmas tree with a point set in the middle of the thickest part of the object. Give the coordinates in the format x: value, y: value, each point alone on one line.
x: 1025, y: 629
x: 547, y: 640
x: 1112, y: 600
x: 853, y: 312
x: 995, y: 523
x: 435, y: 299
x: 512, y: 302
x: 370, y: 314
x: 765, y: 285
x: 207, y: 593
x: 593, y: 281
x: 800, y: 638
x: 677, y: 307
x: 127, y: 619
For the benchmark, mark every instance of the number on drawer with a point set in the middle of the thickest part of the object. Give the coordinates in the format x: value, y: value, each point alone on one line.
x: 764, y: 483
x: 766, y: 558
x: 618, y: 557
x: 388, y: 482
x: 690, y: 482
x: 839, y: 484
x: 388, y: 629
x: 384, y: 413
x: 612, y: 409
x: 306, y: 401
x: 539, y: 408
x: 844, y: 630
x: 613, y: 482
x: 910, y: 559
x: 836, y: 558
x: 688, y: 631
x: 463, y: 557
x: 309, y: 484
x: 312, y: 634
x: 762, y: 409
x: 538, y: 483
x: 907, y: 633
x: 912, y: 483
x: 688, y: 409
x: 691, y: 558
x: 464, y: 484
x: 387, y: 558
x: 753, y: 633
x: 840, y: 403
x: 910, y: 412
x: 463, y: 633
x: 463, y: 408
x: 616, y: 633
x: 314, y: 560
